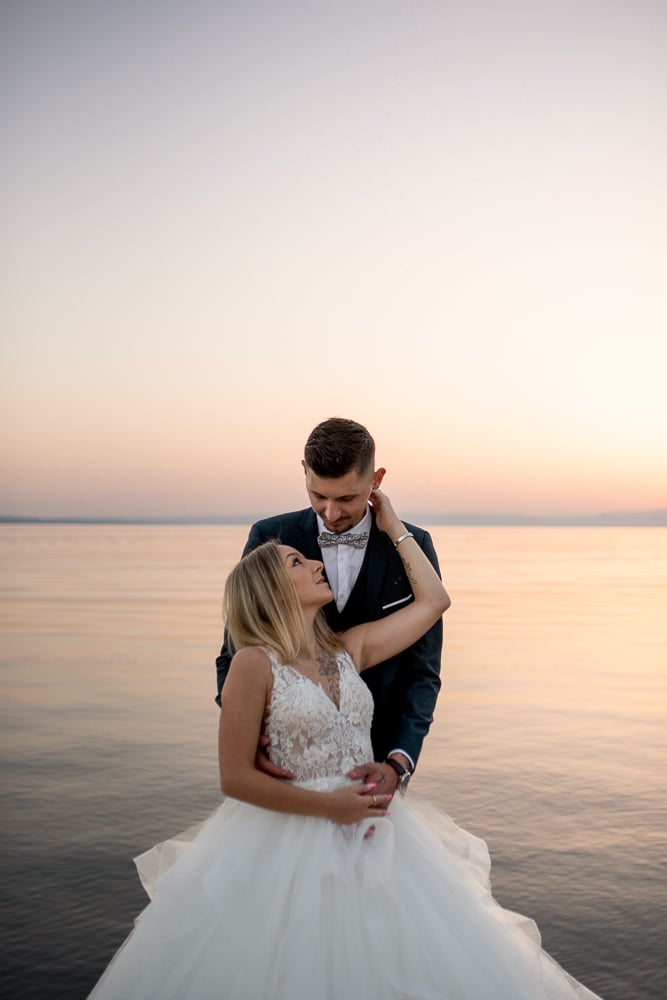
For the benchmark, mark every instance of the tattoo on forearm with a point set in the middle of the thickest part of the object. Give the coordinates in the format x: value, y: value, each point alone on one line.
x: 329, y: 671
x: 408, y: 570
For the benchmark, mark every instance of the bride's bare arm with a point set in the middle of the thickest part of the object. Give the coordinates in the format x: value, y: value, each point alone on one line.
x: 243, y: 702
x: 374, y: 642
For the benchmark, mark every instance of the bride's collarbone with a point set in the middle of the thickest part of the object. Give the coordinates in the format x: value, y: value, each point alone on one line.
x: 321, y: 669
x: 321, y: 663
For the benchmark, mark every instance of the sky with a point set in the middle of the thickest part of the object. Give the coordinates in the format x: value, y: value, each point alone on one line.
x: 225, y: 222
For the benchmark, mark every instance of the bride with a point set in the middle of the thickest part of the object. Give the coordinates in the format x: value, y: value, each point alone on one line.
x: 321, y: 887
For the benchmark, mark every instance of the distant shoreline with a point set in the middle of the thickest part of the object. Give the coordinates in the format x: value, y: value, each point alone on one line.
x: 620, y: 519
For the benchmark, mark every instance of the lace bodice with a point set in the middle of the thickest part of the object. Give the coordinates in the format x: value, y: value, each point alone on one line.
x: 310, y: 736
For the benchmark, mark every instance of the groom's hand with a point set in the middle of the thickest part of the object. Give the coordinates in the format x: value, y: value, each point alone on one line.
x: 262, y: 762
x: 381, y: 775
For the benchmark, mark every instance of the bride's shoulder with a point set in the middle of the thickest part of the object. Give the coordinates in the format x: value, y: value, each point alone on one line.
x: 251, y: 662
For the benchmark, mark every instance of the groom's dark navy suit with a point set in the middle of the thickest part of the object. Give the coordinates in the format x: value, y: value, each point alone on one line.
x: 405, y: 687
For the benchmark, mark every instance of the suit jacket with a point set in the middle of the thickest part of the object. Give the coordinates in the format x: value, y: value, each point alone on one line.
x: 404, y: 688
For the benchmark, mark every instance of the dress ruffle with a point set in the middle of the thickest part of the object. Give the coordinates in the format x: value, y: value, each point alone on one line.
x: 257, y: 905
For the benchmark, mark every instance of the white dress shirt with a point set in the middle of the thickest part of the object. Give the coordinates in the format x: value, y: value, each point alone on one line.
x: 343, y: 562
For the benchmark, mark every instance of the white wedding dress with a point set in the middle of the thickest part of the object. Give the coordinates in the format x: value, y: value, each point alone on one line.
x: 259, y: 905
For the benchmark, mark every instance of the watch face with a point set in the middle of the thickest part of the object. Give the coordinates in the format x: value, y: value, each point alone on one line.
x: 402, y: 785
x: 402, y: 775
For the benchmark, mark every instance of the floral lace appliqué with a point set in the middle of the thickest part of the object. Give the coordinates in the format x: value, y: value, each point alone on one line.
x: 310, y: 736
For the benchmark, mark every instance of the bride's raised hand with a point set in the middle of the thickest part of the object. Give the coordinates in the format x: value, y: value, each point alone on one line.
x: 385, y: 516
x: 352, y: 803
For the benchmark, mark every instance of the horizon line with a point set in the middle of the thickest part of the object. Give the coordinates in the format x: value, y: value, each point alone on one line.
x: 656, y: 517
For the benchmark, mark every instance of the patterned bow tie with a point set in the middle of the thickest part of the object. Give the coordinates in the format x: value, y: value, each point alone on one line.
x: 348, y: 538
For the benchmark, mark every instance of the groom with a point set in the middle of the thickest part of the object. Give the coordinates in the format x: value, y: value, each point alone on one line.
x: 368, y: 581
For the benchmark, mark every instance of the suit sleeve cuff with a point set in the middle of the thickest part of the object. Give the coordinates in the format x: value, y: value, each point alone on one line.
x: 405, y: 754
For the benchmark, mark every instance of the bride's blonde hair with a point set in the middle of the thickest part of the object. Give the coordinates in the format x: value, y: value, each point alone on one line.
x: 261, y: 607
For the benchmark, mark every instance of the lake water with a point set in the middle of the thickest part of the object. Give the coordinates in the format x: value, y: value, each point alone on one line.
x: 549, y: 741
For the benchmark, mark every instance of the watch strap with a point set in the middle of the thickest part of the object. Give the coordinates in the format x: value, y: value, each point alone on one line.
x: 401, y: 771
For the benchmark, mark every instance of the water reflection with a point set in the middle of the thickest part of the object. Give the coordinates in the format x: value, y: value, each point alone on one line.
x: 549, y: 738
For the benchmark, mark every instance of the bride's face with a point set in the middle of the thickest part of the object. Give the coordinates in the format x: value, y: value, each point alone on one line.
x: 308, y: 578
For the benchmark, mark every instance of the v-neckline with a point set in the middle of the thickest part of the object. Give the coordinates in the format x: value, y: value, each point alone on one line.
x: 316, y: 684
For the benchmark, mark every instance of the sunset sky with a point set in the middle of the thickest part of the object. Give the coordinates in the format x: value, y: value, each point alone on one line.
x: 224, y: 222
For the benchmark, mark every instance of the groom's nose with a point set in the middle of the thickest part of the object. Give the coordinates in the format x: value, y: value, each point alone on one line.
x: 331, y: 511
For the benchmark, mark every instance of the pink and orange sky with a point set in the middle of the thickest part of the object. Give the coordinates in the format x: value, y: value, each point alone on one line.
x: 226, y: 222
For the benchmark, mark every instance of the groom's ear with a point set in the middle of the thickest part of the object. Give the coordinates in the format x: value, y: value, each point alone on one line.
x: 378, y: 476
x: 303, y: 463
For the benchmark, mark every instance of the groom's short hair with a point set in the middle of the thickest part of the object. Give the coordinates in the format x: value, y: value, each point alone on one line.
x: 338, y: 446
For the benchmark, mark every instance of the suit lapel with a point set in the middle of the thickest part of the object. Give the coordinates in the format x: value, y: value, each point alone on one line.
x: 307, y: 535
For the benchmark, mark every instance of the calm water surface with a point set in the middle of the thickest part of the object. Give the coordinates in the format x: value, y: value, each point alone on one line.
x: 549, y: 741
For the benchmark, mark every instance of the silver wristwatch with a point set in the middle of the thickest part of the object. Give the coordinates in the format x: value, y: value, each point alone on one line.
x: 404, y: 774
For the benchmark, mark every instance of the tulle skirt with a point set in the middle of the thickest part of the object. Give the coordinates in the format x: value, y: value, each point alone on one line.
x: 257, y: 905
